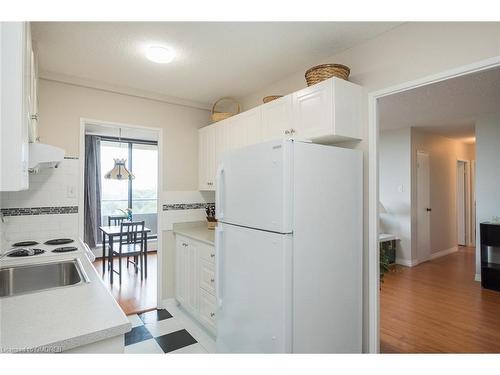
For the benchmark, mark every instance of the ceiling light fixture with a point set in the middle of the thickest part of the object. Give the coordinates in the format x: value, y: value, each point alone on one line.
x: 119, y: 171
x: 159, y: 54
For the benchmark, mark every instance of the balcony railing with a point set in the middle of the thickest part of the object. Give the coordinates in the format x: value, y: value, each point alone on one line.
x: 142, y: 209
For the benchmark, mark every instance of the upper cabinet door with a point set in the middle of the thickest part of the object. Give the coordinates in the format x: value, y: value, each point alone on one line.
x: 328, y: 111
x: 246, y: 128
x: 207, y: 158
x: 15, y: 65
x: 277, y: 118
x: 312, y: 111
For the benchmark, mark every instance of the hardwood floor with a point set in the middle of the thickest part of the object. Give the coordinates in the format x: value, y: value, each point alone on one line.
x: 133, y: 295
x: 437, y: 307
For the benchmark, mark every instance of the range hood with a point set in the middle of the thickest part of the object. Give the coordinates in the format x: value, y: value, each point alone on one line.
x: 44, y: 156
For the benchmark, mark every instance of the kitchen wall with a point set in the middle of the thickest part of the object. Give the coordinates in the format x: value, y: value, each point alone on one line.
x: 49, y: 209
x: 403, y: 54
x: 395, y: 189
x: 487, y: 175
x: 61, y: 106
x: 443, y: 155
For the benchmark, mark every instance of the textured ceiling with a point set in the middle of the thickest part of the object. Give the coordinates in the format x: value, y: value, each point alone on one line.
x: 449, y: 108
x: 213, y: 59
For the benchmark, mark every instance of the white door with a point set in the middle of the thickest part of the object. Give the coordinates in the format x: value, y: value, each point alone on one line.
x: 423, y: 207
x: 254, y: 187
x: 461, y: 203
x: 277, y: 118
x: 253, y: 271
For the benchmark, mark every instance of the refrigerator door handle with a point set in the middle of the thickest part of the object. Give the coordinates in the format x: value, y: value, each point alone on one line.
x: 218, y: 262
x: 219, y: 214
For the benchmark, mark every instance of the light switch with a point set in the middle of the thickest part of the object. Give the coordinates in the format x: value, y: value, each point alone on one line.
x: 401, y: 188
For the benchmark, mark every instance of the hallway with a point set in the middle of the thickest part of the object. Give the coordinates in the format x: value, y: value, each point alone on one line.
x: 437, y: 307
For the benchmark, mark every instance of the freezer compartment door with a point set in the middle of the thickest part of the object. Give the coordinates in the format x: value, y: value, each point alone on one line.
x: 254, y: 186
x: 253, y: 290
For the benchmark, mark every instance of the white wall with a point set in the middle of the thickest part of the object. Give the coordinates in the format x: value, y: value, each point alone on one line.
x: 62, y: 105
x: 487, y: 175
x: 403, y: 54
x: 395, y: 189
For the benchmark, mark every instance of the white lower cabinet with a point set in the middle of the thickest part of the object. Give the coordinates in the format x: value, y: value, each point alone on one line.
x: 195, y: 280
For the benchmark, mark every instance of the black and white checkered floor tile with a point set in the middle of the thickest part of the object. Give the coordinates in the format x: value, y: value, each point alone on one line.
x: 162, y: 331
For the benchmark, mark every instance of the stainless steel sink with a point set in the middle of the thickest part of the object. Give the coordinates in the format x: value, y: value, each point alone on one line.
x: 17, y: 280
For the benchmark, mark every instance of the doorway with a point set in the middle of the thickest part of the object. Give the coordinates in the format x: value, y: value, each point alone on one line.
x: 135, y: 199
x: 446, y: 261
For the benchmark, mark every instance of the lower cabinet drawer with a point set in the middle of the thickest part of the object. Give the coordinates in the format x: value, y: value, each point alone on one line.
x: 206, y: 252
x: 207, y: 276
x: 207, y: 309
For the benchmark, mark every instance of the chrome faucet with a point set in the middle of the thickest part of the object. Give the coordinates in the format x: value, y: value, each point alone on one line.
x: 7, y: 253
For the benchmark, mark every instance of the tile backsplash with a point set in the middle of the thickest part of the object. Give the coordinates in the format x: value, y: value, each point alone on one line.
x: 48, y: 209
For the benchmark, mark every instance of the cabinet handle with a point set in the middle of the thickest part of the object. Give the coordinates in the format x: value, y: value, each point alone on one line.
x: 184, y: 244
x: 34, y: 117
x: 212, y: 281
x: 212, y: 315
x: 212, y: 255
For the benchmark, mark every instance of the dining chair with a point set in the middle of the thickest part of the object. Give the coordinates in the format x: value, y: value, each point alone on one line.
x: 115, y: 221
x: 131, y: 244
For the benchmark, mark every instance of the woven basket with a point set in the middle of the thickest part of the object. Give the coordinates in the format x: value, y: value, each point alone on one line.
x: 219, y: 116
x: 321, y: 72
x: 270, y: 98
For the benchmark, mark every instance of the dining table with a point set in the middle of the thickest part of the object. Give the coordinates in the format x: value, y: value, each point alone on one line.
x: 111, y: 232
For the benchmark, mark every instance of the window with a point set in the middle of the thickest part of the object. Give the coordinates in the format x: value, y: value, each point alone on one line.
x: 139, y: 194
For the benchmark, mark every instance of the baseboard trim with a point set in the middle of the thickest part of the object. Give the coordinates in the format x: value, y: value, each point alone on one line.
x: 406, y: 262
x: 442, y: 253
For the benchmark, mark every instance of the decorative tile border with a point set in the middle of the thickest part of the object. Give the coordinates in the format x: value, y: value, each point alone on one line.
x: 186, y: 206
x: 30, y: 211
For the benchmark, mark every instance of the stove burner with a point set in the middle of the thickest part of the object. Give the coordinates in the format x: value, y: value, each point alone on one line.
x: 25, y: 253
x: 59, y: 241
x: 64, y: 249
x: 25, y: 243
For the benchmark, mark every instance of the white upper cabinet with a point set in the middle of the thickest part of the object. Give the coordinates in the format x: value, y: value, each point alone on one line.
x: 207, y: 158
x: 277, y: 118
x: 15, y: 102
x: 327, y: 112
x: 246, y: 128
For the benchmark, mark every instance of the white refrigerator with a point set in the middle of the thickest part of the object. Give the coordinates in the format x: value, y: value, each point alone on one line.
x: 289, y: 249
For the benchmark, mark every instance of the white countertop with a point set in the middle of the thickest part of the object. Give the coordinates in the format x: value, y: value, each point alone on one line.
x: 196, y: 230
x: 60, y: 319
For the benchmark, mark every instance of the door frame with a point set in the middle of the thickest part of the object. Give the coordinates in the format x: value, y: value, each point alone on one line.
x: 466, y: 201
x: 159, y: 134
x: 373, y: 331
x: 419, y: 257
